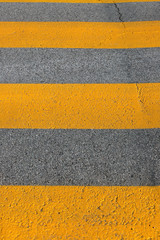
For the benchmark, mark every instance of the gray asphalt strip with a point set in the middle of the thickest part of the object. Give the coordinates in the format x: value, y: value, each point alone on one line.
x: 80, y: 157
x: 79, y: 65
x: 147, y: 11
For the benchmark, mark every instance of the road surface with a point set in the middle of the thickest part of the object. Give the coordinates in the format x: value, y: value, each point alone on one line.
x: 79, y: 120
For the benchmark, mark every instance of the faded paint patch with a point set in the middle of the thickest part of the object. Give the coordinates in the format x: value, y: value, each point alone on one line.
x: 79, y: 213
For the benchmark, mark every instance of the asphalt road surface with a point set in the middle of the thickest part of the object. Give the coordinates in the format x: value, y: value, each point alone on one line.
x: 38, y: 166
x: 80, y: 157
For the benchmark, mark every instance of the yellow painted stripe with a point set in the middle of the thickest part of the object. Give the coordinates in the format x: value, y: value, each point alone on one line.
x: 80, y: 1
x: 82, y: 106
x: 79, y: 34
x: 63, y: 212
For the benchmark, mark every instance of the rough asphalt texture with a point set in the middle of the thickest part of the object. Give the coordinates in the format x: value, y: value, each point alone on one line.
x: 79, y: 65
x: 79, y: 157
x: 118, y: 12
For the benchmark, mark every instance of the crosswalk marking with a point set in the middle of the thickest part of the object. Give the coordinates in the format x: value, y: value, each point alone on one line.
x: 100, y: 130
x: 59, y: 212
x: 79, y: 34
x: 98, y: 106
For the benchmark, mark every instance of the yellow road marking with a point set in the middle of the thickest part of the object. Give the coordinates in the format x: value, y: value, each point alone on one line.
x: 79, y: 34
x: 80, y: 106
x: 66, y: 212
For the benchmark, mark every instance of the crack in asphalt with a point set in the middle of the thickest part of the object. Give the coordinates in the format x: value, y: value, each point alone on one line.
x: 119, y: 12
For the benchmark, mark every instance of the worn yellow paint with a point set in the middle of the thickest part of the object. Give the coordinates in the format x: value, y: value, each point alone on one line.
x: 68, y: 212
x: 79, y: 34
x: 82, y: 106
x: 80, y: 1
